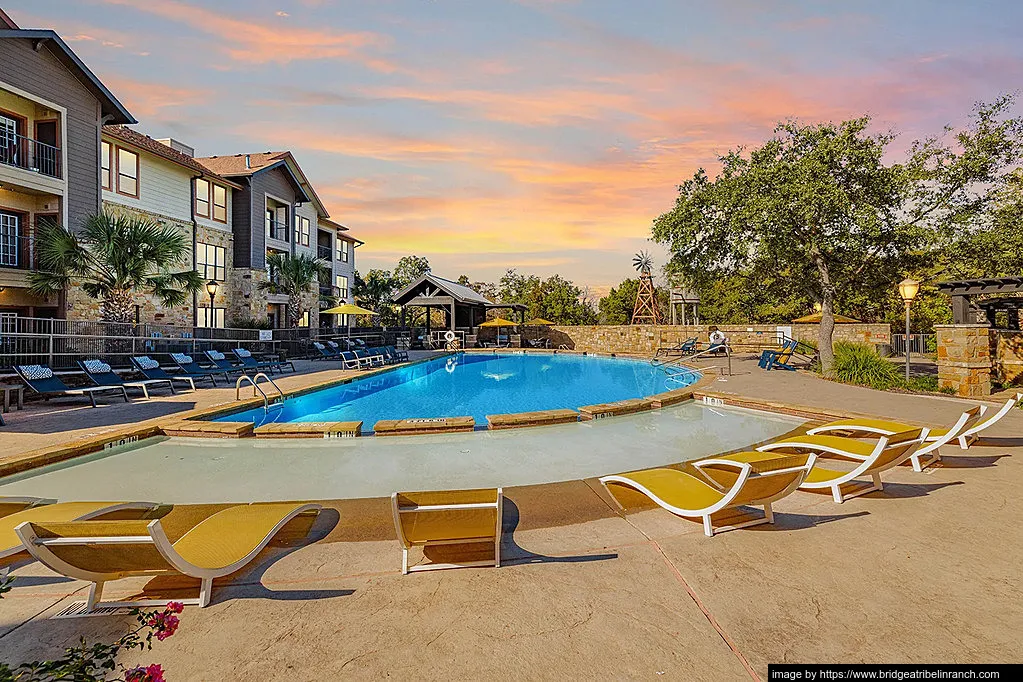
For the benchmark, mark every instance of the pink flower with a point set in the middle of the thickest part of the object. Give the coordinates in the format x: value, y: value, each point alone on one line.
x: 164, y: 623
x: 151, y: 673
x: 175, y: 607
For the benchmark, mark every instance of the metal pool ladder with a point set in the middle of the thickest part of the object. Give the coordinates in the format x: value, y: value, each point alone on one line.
x: 255, y: 387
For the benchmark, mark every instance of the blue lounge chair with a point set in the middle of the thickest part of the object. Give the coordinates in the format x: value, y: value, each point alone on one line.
x: 370, y: 358
x: 192, y: 368
x: 101, y: 374
x: 150, y: 369
x: 40, y: 379
x: 325, y: 353
x: 221, y: 362
x: 245, y: 357
x: 399, y: 355
x: 352, y: 361
x: 780, y: 358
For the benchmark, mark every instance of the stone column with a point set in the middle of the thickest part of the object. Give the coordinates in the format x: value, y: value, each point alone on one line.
x: 964, y: 359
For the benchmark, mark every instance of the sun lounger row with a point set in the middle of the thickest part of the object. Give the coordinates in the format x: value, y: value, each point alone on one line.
x: 868, y: 447
x: 360, y: 359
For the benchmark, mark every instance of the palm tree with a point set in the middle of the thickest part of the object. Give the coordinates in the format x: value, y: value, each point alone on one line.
x: 115, y: 258
x: 293, y: 276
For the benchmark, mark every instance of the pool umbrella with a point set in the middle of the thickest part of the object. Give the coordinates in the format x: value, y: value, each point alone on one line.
x: 539, y: 322
x: 348, y: 309
x: 498, y: 322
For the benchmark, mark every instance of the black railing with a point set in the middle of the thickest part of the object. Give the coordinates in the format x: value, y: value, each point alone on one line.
x: 277, y: 230
x: 17, y: 251
x: 324, y: 252
x: 32, y: 155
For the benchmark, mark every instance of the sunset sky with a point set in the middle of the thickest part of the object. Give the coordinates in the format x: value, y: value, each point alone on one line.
x: 538, y: 134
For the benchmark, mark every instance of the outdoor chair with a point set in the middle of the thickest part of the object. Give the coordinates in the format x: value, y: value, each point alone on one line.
x: 150, y: 369
x: 192, y: 368
x: 399, y: 354
x: 15, y: 511
x: 687, y: 347
x: 221, y: 362
x: 453, y: 517
x: 964, y: 430
x: 870, y: 459
x: 382, y: 351
x: 325, y: 353
x: 371, y: 359
x: 101, y: 374
x: 746, y: 479
x: 101, y: 551
x: 41, y: 380
x: 246, y: 358
x: 349, y: 360
x: 780, y: 358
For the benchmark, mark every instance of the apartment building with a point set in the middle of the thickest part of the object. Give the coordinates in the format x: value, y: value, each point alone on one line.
x: 277, y: 210
x: 159, y: 180
x: 52, y: 109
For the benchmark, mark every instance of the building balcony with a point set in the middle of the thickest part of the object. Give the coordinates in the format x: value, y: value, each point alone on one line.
x: 276, y: 229
x: 31, y: 155
x: 324, y: 252
x: 17, y: 252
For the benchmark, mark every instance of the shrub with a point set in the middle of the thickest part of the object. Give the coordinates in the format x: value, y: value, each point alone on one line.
x: 857, y: 363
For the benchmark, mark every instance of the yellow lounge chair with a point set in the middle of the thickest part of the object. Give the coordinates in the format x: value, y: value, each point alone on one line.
x: 933, y: 439
x: 13, y: 552
x: 870, y: 459
x: 101, y: 551
x: 966, y: 436
x: 451, y: 517
x: 747, y: 479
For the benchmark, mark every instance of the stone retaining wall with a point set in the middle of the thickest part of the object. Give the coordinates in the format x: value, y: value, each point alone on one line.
x: 645, y: 339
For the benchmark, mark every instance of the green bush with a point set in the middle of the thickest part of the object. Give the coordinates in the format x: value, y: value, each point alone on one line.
x: 857, y: 363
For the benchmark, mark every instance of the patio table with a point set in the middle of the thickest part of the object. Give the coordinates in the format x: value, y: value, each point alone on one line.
x: 19, y: 394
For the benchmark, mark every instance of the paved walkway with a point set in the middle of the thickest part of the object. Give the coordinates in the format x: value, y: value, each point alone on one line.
x: 922, y: 572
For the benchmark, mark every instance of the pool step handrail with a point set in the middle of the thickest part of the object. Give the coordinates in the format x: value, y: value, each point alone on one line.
x: 255, y: 388
x: 683, y: 361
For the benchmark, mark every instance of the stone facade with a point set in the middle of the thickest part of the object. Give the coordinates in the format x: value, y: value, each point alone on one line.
x: 1006, y: 347
x: 643, y: 339
x: 964, y: 359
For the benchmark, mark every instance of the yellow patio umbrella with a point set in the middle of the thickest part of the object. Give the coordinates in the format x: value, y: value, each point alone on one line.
x: 540, y: 322
x: 498, y: 322
x: 348, y: 309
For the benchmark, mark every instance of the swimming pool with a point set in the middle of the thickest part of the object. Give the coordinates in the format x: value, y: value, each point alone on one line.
x: 207, y: 470
x: 475, y: 385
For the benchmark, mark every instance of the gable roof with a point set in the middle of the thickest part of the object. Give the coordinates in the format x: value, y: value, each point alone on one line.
x: 110, y: 106
x: 148, y: 144
x: 247, y: 165
x: 455, y: 290
x: 342, y: 231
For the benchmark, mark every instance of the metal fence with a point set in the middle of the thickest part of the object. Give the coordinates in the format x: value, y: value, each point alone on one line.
x: 921, y: 344
x: 60, y: 344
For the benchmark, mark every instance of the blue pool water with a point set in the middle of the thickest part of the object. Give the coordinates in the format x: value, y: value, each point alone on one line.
x: 474, y: 385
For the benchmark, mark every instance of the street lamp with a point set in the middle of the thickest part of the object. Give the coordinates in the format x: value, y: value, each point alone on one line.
x: 211, y: 289
x: 908, y: 289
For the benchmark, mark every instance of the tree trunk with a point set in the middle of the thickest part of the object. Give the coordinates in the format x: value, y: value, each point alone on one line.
x: 118, y: 306
x: 826, y: 332
x: 294, y: 313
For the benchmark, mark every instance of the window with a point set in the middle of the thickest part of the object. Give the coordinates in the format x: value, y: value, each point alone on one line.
x: 304, y: 322
x: 277, y: 222
x: 9, y: 232
x: 104, y: 162
x: 342, y: 250
x: 341, y: 282
x: 302, y: 230
x: 220, y: 204
x: 210, y: 261
x: 203, y: 317
x: 202, y: 198
x: 127, y: 173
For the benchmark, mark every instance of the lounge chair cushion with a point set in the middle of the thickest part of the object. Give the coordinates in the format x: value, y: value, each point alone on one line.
x: 242, y: 353
x: 36, y: 372
x: 146, y: 362
x: 182, y: 358
x: 96, y: 366
x: 453, y: 524
x: 856, y: 448
x: 215, y: 355
x: 677, y: 488
x: 56, y: 513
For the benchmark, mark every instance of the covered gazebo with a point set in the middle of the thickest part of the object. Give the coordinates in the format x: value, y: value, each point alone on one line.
x: 464, y: 309
x: 1000, y: 294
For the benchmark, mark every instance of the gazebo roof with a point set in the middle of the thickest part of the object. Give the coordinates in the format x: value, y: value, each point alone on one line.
x: 430, y: 286
x: 815, y: 318
x: 988, y: 285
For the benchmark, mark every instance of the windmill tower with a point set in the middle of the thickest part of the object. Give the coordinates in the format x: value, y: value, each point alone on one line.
x: 645, y: 310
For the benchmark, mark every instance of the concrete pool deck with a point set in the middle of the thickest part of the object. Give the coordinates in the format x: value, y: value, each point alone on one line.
x: 925, y: 571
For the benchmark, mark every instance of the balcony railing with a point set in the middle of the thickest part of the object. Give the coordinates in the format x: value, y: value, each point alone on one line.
x: 324, y: 252
x: 17, y: 251
x: 32, y: 155
x: 277, y: 229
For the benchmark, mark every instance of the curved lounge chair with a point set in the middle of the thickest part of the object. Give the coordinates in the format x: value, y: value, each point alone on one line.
x: 966, y: 436
x: 100, y: 551
x: 755, y: 480
x: 101, y: 374
x: 870, y: 458
x: 932, y: 440
x: 41, y: 379
x: 35, y: 509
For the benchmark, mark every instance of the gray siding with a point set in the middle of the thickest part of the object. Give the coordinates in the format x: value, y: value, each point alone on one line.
x: 40, y: 73
x: 241, y: 224
x: 276, y: 183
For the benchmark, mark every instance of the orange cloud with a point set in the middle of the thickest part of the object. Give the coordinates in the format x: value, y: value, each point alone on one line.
x: 256, y: 43
x: 144, y: 98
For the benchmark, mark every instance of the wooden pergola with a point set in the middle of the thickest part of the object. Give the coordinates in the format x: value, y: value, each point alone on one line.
x: 1006, y: 292
x: 464, y: 308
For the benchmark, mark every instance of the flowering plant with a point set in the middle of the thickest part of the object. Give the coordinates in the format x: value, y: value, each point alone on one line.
x: 97, y: 662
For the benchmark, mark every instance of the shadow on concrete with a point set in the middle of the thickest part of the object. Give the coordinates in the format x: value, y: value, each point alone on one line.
x: 512, y: 553
x: 1000, y: 442
x: 790, y: 521
x: 971, y: 462
x: 39, y: 580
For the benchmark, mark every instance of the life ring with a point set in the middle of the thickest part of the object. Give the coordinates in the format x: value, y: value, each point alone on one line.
x: 450, y: 365
x: 450, y: 336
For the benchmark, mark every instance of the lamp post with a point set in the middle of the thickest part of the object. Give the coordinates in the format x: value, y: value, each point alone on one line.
x: 908, y: 289
x: 211, y: 289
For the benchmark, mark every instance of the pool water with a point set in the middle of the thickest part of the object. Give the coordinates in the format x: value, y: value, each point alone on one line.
x: 204, y: 470
x: 475, y: 385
